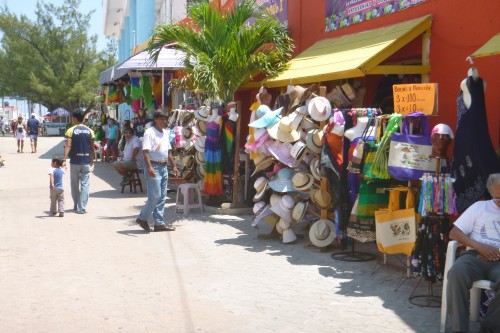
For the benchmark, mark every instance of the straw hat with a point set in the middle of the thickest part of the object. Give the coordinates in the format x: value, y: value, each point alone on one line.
x: 260, y: 210
x: 202, y: 113
x: 342, y: 96
x: 302, y: 181
x: 314, y: 140
x: 321, y: 199
x: 314, y: 167
x: 260, y: 186
x: 202, y: 126
x: 299, y: 94
x: 286, y: 232
x: 188, y: 161
x: 348, y: 90
x: 283, y: 131
x: 319, y: 108
x: 187, y: 133
x: 322, y: 233
x: 200, y: 170
x: 199, y: 157
x: 266, y: 117
x: 282, y: 181
x: 272, y: 219
x: 284, y: 207
x: 187, y: 118
x: 264, y: 164
x: 187, y: 175
x: 298, y: 150
x: 281, y: 151
x: 200, y: 144
x: 300, y: 210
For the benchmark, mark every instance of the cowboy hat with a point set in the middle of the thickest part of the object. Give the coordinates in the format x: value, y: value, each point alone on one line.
x: 282, y: 181
x: 302, y: 181
x: 299, y: 94
x: 266, y: 117
x: 200, y: 144
x: 281, y: 151
x: 300, y: 210
x: 319, y: 108
x: 298, y: 150
x: 283, y: 131
x: 284, y: 207
x: 264, y: 164
x: 314, y: 167
x: 260, y: 186
x: 199, y: 157
x: 202, y: 113
x: 188, y: 161
x: 322, y: 233
x: 187, y: 118
x: 202, y: 126
x: 286, y: 232
x: 314, y: 140
x: 321, y: 199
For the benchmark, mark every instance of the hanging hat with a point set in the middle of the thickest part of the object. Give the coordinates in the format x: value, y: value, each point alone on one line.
x: 442, y: 129
x: 200, y: 170
x: 272, y: 219
x: 284, y: 207
x: 314, y: 140
x: 339, y: 98
x: 187, y: 133
x: 264, y: 97
x: 298, y: 150
x: 314, y: 166
x: 348, y: 91
x: 199, y: 157
x: 283, y: 131
x: 260, y: 136
x: 282, y: 181
x: 322, y: 233
x: 264, y: 164
x: 201, y: 184
x: 266, y: 117
x: 260, y: 210
x: 281, y: 151
x: 202, y: 127
x: 188, y: 161
x: 202, y: 113
x: 200, y: 144
x: 319, y: 108
x: 302, y: 181
x: 300, y: 210
x: 321, y: 199
x: 288, y: 236
x: 299, y: 94
x: 260, y: 186
x: 187, y: 118
x: 187, y: 175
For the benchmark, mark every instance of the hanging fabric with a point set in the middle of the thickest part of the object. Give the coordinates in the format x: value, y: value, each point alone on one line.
x: 437, y: 195
x: 112, y: 94
x: 147, y: 91
x: 379, y: 166
x: 228, y: 132
x: 212, y: 184
x: 135, y: 88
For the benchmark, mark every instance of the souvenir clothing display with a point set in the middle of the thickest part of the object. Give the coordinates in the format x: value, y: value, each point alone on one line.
x: 212, y: 184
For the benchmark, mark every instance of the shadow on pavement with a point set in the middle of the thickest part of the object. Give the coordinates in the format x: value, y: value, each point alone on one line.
x: 57, y: 150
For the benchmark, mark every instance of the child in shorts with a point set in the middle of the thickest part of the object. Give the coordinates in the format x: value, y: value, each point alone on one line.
x: 56, y: 173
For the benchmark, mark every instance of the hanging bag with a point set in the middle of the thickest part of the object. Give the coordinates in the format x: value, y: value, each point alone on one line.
x: 409, y: 153
x: 396, y: 228
x: 358, y: 155
x: 372, y: 147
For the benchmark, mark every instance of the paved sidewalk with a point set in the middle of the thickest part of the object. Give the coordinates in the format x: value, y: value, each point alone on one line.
x: 99, y: 272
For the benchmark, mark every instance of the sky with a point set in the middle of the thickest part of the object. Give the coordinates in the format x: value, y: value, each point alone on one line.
x: 27, y: 7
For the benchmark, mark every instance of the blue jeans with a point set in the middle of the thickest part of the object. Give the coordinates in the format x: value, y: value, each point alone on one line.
x: 157, y: 194
x: 80, y: 175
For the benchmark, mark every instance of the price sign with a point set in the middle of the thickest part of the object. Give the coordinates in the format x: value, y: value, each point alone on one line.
x: 418, y: 97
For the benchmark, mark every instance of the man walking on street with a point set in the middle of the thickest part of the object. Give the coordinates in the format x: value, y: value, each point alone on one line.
x: 155, y: 147
x: 80, y: 150
x: 33, y: 129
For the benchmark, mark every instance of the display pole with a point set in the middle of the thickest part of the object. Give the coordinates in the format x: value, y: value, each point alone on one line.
x: 163, y: 88
x: 236, y: 175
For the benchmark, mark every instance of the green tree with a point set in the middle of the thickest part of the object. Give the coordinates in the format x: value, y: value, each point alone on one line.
x: 51, y: 60
x: 225, y: 49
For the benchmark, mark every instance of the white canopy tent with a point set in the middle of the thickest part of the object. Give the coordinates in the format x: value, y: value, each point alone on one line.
x: 168, y: 59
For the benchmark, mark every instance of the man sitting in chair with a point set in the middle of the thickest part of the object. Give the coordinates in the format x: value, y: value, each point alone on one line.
x: 130, y: 152
x: 478, y: 228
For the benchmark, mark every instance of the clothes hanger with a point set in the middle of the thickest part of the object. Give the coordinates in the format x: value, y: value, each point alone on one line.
x: 472, y: 70
x: 289, y: 87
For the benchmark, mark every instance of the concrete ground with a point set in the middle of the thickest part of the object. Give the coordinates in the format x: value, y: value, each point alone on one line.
x: 100, y: 272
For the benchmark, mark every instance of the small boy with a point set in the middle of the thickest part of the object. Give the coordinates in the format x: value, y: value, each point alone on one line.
x: 56, y: 173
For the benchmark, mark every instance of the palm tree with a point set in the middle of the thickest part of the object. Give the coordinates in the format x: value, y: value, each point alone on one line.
x: 225, y: 49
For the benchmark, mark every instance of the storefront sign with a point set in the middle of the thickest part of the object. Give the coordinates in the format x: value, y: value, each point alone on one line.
x: 343, y: 13
x: 278, y: 8
x: 417, y: 97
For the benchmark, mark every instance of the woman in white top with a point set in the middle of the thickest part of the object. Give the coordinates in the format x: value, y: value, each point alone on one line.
x: 20, y: 133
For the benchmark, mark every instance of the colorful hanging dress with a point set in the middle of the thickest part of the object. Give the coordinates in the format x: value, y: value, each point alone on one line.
x: 212, y: 183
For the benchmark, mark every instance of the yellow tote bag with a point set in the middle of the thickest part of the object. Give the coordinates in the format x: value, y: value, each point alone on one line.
x: 396, y: 229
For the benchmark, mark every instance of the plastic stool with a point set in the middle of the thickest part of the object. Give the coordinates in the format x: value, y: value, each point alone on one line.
x: 135, y: 181
x: 183, y: 189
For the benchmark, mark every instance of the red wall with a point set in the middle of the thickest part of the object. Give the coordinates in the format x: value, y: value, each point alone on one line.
x: 459, y: 27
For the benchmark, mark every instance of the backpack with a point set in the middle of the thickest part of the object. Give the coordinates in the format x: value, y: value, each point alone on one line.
x: 20, y: 128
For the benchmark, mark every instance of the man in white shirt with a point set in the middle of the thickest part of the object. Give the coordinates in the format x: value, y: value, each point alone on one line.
x: 478, y: 228
x: 130, y: 156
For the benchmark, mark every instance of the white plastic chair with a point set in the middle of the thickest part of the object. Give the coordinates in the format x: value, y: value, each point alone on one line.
x: 475, y: 292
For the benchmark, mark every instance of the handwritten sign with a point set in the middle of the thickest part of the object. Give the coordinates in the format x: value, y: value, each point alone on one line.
x: 417, y: 97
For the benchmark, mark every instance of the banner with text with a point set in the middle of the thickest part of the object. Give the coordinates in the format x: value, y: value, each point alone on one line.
x: 343, y: 13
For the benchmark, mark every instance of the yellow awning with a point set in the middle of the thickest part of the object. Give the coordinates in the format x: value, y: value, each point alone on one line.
x: 490, y: 48
x: 354, y: 55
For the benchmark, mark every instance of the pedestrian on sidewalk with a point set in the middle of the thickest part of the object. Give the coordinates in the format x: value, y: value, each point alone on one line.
x: 131, y: 153
x: 81, y: 152
x: 113, y: 138
x: 56, y: 173
x: 33, y: 128
x: 155, y: 148
x: 20, y: 131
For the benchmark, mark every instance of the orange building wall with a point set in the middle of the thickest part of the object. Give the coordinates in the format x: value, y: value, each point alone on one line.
x: 459, y: 28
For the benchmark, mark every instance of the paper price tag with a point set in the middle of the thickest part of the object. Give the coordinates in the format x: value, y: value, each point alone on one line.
x: 417, y: 97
